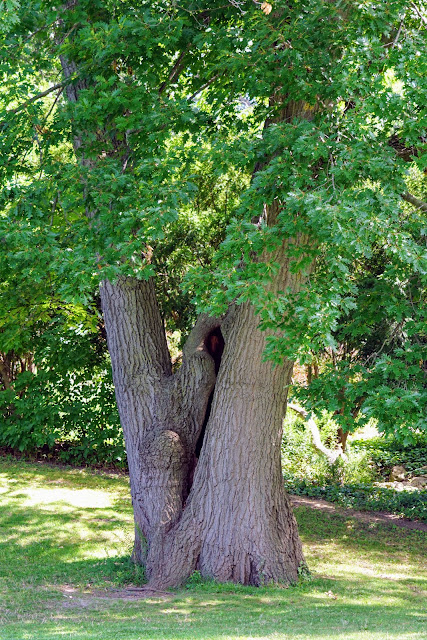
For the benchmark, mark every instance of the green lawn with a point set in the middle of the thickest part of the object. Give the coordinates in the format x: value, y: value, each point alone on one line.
x: 65, y: 537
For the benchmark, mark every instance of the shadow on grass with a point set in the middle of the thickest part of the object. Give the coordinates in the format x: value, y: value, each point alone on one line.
x: 22, y: 473
x: 49, y: 536
x: 355, y: 535
x: 45, y: 547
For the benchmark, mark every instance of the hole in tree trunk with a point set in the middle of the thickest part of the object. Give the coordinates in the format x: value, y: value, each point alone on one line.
x: 214, y: 344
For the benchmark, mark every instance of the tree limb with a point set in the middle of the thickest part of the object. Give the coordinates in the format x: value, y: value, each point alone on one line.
x: 175, y: 71
x: 60, y: 85
x: 418, y: 204
x: 5, y: 377
x: 418, y: 12
x: 331, y: 456
x: 203, y: 87
x: 195, y: 341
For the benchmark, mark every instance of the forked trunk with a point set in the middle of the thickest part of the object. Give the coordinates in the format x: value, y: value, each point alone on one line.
x: 161, y: 414
x: 227, y: 515
x: 237, y: 524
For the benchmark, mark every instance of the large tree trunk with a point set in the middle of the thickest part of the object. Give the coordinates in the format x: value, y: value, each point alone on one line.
x: 236, y: 522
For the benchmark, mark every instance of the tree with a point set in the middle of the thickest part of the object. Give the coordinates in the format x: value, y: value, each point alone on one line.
x: 376, y: 367
x: 302, y: 97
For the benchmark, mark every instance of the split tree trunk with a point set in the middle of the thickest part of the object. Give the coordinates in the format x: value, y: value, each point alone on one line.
x: 235, y: 523
x: 161, y: 413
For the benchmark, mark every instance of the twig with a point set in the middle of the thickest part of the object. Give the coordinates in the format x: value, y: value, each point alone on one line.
x: 53, y: 105
x: 58, y: 44
x: 395, y: 41
x: 55, y: 202
x: 45, y: 26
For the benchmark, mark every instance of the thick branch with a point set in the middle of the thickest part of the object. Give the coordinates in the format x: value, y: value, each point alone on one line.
x: 204, y: 325
x: 5, y: 377
x: 331, y: 456
x: 135, y: 332
x: 418, y: 204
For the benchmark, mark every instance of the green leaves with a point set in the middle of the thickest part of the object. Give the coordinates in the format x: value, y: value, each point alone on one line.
x: 9, y: 16
x: 142, y: 165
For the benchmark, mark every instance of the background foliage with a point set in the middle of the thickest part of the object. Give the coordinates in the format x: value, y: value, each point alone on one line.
x: 164, y: 164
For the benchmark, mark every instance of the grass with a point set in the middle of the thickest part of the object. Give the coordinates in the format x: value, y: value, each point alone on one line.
x: 65, y: 538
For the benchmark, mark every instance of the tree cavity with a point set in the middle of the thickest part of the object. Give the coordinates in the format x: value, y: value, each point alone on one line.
x: 214, y: 345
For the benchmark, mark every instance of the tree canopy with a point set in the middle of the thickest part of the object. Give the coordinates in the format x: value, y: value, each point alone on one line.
x: 148, y: 171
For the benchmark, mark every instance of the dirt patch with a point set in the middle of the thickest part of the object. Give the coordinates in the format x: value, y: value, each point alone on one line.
x: 363, y: 516
x: 90, y: 599
x: 134, y: 593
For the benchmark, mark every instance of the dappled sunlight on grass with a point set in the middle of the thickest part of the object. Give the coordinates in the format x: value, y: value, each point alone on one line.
x: 65, y: 542
x: 84, y: 498
x: 41, y: 474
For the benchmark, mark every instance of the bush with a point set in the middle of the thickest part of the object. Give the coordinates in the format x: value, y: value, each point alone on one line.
x: 385, y: 453
x: 301, y: 461
x: 67, y: 407
x: 350, y: 483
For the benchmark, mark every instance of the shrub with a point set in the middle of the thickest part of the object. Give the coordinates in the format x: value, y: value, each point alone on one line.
x: 67, y: 407
x: 367, y: 497
x: 385, y: 453
x: 349, y: 483
x: 301, y: 461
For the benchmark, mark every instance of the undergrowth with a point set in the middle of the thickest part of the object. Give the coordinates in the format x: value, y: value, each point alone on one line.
x: 351, y: 482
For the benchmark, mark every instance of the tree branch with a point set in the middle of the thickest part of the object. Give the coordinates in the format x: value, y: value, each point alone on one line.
x: 418, y: 204
x: 175, y: 71
x: 5, y: 378
x: 418, y: 12
x: 25, y: 104
x: 195, y: 341
x: 203, y: 87
x: 331, y: 456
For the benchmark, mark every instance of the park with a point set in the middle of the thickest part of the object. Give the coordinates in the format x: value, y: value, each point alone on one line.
x: 213, y: 350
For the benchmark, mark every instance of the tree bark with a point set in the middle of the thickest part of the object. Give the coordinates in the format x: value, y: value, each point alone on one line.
x: 237, y: 524
x: 161, y: 414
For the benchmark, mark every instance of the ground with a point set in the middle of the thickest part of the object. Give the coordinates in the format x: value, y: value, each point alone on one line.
x: 65, y: 536
x: 369, y: 517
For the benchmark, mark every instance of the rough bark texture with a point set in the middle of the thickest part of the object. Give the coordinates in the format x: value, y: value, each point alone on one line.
x: 250, y: 535
x: 237, y: 524
x: 161, y: 414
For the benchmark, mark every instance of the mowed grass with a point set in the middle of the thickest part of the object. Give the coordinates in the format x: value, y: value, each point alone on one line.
x: 65, y: 539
